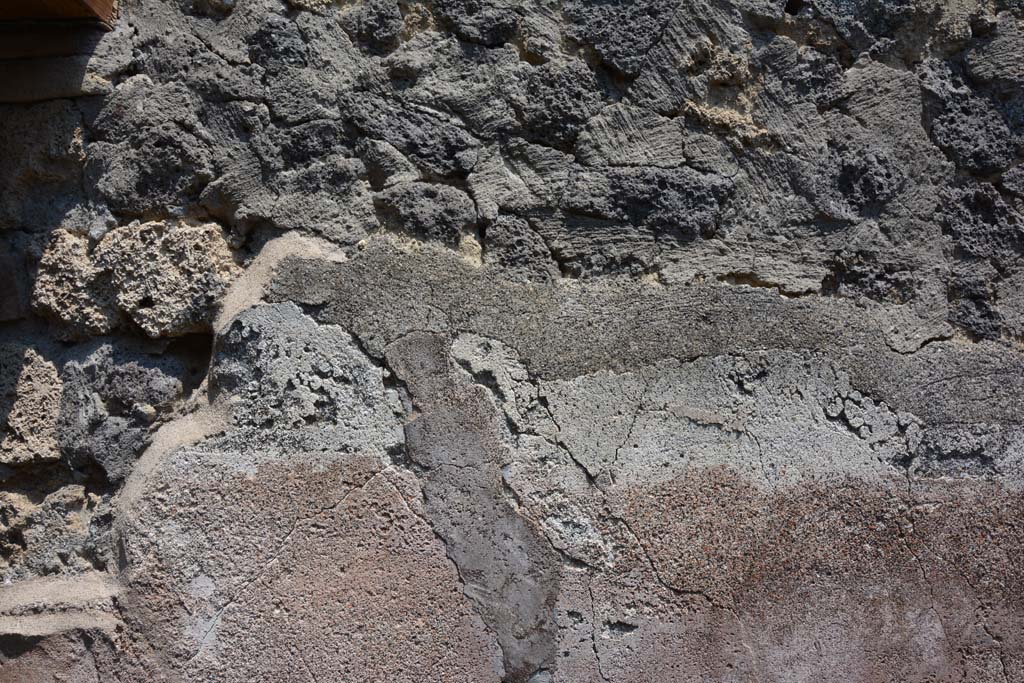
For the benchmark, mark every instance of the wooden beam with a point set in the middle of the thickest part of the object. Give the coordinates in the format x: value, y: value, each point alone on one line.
x: 45, y: 10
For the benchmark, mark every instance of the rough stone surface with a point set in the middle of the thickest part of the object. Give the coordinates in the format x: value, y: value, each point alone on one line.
x: 164, y: 278
x: 524, y: 342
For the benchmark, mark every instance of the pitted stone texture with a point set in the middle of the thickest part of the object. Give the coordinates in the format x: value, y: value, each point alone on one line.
x: 30, y: 391
x: 281, y: 370
x: 427, y: 211
x: 72, y: 289
x: 821, y: 134
x: 112, y: 399
x: 165, y: 277
x: 63, y: 533
x: 76, y: 418
x: 148, y: 151
x: 175, y: 289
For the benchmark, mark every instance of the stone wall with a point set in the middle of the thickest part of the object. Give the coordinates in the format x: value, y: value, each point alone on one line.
x: 516, y: 341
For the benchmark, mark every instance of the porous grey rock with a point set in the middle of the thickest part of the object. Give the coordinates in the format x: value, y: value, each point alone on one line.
x: 53, y: 536
x: 427, y: 211
x: 148, y: 151
x: 112, y: 398
x: 76, y: 418
x: 283, y: 371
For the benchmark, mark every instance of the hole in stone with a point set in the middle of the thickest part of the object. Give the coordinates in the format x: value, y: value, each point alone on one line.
x: 794, y: 7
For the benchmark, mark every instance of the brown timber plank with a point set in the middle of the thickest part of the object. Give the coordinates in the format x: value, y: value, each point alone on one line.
x: 102, y: 10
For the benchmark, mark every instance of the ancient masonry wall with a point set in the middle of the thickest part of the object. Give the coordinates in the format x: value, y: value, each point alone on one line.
x: 516, y: 341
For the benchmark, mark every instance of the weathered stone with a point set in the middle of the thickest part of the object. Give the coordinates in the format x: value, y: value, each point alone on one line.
x: 29, y: 400
x: 175, y: 289
x: 71, y: 289
x: 524, y: 342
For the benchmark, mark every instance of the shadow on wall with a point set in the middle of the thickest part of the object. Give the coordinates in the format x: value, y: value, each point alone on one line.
x: 45, y: 48
x: 42, y: 60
